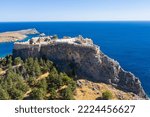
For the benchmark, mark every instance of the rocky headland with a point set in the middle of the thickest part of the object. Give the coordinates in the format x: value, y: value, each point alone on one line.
x: 82, y: 58
x: 16, y: 35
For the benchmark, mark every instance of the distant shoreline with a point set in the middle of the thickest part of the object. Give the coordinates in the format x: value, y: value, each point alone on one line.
x: 13, y: 36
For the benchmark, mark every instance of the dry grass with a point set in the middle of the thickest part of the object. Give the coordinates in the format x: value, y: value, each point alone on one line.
x: 92, y: 91
x: 2, y: 72
x: 11, y: 36
x: 43, y: 76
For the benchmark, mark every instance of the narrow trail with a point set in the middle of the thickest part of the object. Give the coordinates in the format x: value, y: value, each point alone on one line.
x: 43, y: 76
x: 4, y: 71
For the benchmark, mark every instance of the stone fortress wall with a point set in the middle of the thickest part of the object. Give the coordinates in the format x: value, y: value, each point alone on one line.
x: 85, y: 59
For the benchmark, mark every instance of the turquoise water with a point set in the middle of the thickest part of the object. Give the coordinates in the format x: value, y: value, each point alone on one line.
x: 126, y: 42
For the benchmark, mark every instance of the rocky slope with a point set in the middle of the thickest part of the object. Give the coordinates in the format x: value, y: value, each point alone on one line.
x: 87, y: 90
x: 84, y: 59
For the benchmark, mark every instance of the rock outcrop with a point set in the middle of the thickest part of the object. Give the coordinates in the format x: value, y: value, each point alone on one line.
x: 87, y: 90
x: 83, y: 58
x: 27, y: 31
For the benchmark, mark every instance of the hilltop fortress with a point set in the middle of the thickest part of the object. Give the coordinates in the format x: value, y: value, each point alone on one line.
x: 81, y: 57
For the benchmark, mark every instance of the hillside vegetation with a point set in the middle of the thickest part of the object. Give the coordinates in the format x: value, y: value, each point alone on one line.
x: 33, y: 79
x: 39, y: 79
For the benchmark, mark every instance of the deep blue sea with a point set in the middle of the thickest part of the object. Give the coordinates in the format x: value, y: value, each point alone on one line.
x: 126, y: 42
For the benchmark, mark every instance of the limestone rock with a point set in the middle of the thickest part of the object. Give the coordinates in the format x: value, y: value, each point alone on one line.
x: 84, y: 59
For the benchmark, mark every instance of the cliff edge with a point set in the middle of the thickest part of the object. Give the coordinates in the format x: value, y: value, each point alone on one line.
x: 82, y: 58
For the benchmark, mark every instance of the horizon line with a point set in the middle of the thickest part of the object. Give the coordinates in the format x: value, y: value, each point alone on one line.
x: 81, y: 21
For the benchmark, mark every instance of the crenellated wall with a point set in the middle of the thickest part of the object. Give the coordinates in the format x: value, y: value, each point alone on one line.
x: 86, y: 61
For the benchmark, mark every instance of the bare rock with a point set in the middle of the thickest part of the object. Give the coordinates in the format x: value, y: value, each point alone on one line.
x: 86, y: 60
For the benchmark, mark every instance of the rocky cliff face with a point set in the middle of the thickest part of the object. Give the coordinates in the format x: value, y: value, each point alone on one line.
x: 85, y: 60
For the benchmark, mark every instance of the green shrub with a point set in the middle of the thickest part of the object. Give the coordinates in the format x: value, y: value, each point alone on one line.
x: 107, y: 95
x: 3, y: 94
x: 31, y: 81
x: 55, y: 37
x: 53, y: 94
x: 16, y: 94
x: 67, y: 94
x: 17, y: 61
x: 37, y: 94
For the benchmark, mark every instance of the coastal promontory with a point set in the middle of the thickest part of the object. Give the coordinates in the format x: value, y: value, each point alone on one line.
x: 16, y: 35
x: 82, y: 58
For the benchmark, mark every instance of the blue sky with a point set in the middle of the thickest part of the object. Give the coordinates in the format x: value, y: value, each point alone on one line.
x: 74, y: 10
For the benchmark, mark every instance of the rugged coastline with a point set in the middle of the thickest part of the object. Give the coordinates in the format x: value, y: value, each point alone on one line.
x: 12, y: 36
x: 81, y: 57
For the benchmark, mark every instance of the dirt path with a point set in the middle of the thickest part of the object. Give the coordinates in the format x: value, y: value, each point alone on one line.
x: 4, y: 71
x: 38, y: 79
x: 43, y: 76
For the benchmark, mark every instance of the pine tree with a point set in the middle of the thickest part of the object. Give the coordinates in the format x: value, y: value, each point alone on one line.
x: 67, y: 94
x: 17, y: 61
x: 53, y: 94
x: 4, y: 94
x: 37, y: 94
x: 37, y: 68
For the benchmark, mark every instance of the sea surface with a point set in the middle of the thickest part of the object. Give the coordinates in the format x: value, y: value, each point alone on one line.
x: 126, y: 42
